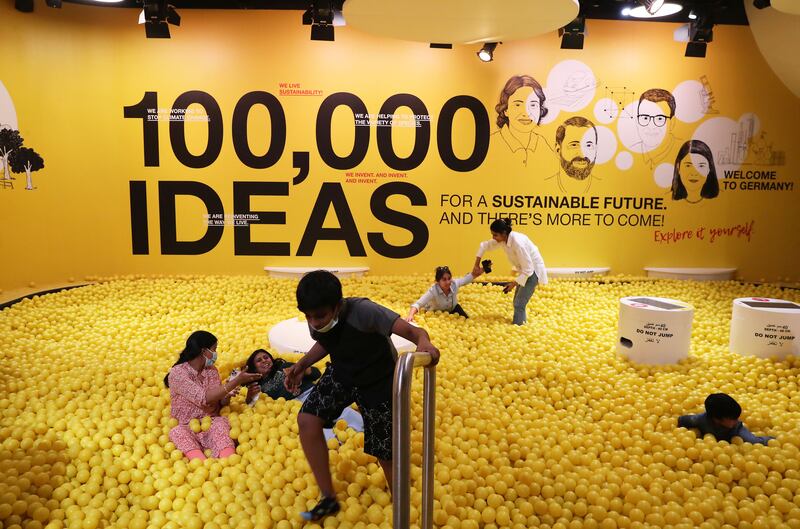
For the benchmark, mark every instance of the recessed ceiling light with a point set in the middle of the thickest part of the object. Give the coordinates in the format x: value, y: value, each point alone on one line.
x: 626, y: 11
x: 665, y: 11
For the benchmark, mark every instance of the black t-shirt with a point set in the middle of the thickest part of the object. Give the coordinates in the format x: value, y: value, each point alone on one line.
x: 360, y: 344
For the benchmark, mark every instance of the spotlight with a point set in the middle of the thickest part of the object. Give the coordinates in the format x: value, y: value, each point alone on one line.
x: 320, y: 16
x: 53, y: 3
x: 572, y: 34
x: 486, y: 53
x: 322, y: 32
x: 695, y: 49
x: 173, y: 17
x: 701, y: 32
x: 761, y: 4
x: 26, y: 6
x: 156, y: 30
x: 157, y: 16
x: 626, y: 11
x: 692, y: 16
x: 652, y: 6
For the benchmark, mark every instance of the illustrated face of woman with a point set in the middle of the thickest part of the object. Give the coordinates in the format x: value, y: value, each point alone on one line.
x: 263, y: 363
x: 533, y: 106
x: 693, y: 170
x: 522, y: 113
x: 444, y: 282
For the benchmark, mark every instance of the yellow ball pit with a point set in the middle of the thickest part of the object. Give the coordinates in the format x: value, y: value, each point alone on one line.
x: 539, y: 425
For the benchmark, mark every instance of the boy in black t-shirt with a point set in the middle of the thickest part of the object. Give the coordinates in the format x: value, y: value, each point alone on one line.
x: 356, y: 333
x: 721, y: 419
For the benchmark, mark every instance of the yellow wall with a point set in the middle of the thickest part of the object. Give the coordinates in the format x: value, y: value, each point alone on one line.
x: 71, y: 72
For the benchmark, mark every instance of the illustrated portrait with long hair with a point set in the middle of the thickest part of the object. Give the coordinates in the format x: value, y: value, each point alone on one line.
x: 694, y: 177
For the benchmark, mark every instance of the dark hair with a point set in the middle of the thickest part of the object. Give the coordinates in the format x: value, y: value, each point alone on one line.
x: 656, y: 95
x: 512, y: 85
x: 710, y: 187
x: 501, y: 226
x: 318, y: 289
x: 195, y: 344
x: 574, y: 121
x: 722, y: 406
x: 441, y: 271
x: 250, y: 365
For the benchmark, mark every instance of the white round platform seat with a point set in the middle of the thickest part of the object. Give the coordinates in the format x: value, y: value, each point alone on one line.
x: 765, y: 327
x: 292, y: 336
x: 696, y: 274
x: 296, y: 272
x: 654, y: 330
x: 577, y: 271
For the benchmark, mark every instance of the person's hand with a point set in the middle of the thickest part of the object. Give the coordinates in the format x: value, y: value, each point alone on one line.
x: 410, y: 318
x: 245, y: 379
x: 293, y: 377
x: 252, y: 390
x: 425, y: 346
x: 511, y: 285
x: 306, y: 372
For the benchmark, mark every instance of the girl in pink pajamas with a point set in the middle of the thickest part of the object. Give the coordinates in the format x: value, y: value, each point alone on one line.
x: 196, y: 391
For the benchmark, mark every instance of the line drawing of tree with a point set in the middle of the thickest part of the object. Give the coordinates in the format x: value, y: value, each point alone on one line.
x: 10, y: 141
x: 26, y: 160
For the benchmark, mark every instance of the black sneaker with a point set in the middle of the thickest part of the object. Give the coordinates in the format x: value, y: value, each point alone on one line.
x: 325, y: 507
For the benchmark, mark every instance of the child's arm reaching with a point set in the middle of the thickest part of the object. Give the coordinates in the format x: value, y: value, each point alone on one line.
x: 748, y: 437
x: 689, y: 421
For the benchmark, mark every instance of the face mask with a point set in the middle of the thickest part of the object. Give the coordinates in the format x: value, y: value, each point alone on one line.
x: 331, y: 324
x: 210, y: 361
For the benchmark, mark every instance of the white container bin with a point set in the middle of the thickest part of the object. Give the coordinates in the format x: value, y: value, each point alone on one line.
x: 654, y: 330
x: 765, y: 327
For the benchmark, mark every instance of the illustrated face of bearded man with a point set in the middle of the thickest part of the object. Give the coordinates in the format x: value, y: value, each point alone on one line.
x: 578, y: 151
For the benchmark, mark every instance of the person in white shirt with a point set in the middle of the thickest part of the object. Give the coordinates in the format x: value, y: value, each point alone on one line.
x: 525, y: 259
x: 443, y: 295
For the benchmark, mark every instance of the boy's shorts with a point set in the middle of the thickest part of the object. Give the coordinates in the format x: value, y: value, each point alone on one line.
x: 329, y: 397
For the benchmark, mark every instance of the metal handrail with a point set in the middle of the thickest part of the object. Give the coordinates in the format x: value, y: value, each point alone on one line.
x: 401, y: 439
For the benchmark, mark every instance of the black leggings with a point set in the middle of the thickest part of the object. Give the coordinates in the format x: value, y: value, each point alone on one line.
x: 458, y: 310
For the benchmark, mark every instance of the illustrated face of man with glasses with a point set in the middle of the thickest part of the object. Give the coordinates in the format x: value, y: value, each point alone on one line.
x: 654, y: 117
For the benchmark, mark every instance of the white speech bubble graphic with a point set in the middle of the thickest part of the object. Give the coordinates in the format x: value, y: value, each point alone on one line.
x: 8, y: 115
x: 624, y: 160
x: 606, y: 145
x: 606, y: 110
x: 691, y: 101
x: 663, y: 175
x: 728, y: 140
x: 571, y: 86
